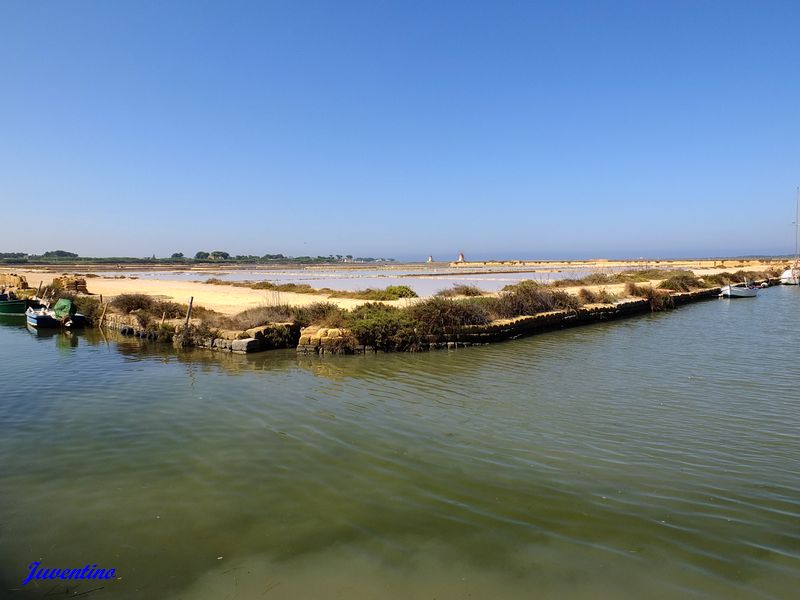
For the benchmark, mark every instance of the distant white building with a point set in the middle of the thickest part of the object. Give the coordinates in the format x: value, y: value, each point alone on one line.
x: 461, y: 257
x: 430, y: 259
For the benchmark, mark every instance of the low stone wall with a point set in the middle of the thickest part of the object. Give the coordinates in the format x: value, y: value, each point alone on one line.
x: 321, y: 340
x: 257, y: 339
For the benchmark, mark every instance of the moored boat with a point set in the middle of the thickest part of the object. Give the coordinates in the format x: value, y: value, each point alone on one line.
x: 12, y: 307
x: 738, y: 291
x: 791, y: 276
x: 63, y: 314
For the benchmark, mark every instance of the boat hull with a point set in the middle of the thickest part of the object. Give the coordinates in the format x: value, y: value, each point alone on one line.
x: 13, y: 307
x: 731, y: 291
x: 790, y: 277
x: 45, y: 319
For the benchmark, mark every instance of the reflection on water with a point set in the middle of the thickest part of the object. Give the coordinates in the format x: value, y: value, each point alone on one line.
x: 653, y: 457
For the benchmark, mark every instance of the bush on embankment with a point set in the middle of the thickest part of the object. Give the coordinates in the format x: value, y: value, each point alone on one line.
x: 469, y: 291
x: 529, y: 298
x: 601, y: 296
x: 148, y: 310
x: 659, y: 299
x: 682, y: 283
x: 629, y: 276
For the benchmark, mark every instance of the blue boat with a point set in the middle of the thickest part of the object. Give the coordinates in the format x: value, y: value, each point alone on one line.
x: 63, y: 314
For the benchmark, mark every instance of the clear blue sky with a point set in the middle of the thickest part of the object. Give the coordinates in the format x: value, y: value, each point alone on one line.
x: 504, y: 129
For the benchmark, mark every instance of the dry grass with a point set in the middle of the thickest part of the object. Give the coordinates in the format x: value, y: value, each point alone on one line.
x: 469, y: 291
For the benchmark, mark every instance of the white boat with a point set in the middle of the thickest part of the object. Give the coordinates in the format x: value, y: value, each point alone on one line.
x: 740, y: 290
x: 791, y: 276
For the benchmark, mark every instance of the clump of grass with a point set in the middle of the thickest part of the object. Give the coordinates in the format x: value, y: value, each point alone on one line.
x: 528, y: 298
x: 255, y: 317
x: 681, y: 283
x: 725, y: 278
x: 591, y: 279
x: 128, y: 303
x: 320, y: 313
x: 470, y: 291
x: 601, y: 296
x: 659, y: 299
x: 718, y: 279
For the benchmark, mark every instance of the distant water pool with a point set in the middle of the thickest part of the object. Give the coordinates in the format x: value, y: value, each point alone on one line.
x: 424, y: 281
x: 654, y: 457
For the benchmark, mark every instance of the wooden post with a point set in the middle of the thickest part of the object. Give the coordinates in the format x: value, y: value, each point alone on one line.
x: 102, y: 316
x: 39, y: 289
x: 189, y: 311
x: 101, y: 298
x: 163, y: 316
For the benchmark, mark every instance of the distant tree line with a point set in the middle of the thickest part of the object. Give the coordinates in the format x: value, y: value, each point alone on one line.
x: 57, y: 256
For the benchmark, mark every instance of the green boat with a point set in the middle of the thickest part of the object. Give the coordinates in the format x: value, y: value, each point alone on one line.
x: 12, y: 307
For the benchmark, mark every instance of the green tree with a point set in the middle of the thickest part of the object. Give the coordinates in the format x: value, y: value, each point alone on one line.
x: 177, y: 255
x: 201, y: 255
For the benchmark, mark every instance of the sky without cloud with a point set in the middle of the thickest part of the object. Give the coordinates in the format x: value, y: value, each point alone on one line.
x: 504, y: 129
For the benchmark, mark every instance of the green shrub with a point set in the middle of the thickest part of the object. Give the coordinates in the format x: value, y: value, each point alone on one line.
x: 128, y: 303
x: 470, y: 291
x: 400, y: 291
x: 383, y: 327
x: 344, y: 344
x: 438, y: 315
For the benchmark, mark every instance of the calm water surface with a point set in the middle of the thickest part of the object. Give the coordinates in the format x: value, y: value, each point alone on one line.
x: 654, y: 457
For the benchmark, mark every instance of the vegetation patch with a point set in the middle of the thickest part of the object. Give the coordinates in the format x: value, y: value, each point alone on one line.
x: 461, y: 290
x: 601, y: 296
x: 530, y: 297
x: 659, y: 299
x: 682, y: 283
x: 392, y: 292
x: 383, y: 327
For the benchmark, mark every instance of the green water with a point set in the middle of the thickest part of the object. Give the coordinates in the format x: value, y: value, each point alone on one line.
x: 654, y: 457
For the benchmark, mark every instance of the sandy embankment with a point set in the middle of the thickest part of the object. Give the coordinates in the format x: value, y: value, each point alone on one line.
x: 225, y: 299
x: 231, y: 300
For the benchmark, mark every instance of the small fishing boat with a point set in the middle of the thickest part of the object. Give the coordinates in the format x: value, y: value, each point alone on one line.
x: 12, y: 306
x: 63, y: 314
x: 740, y: 290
